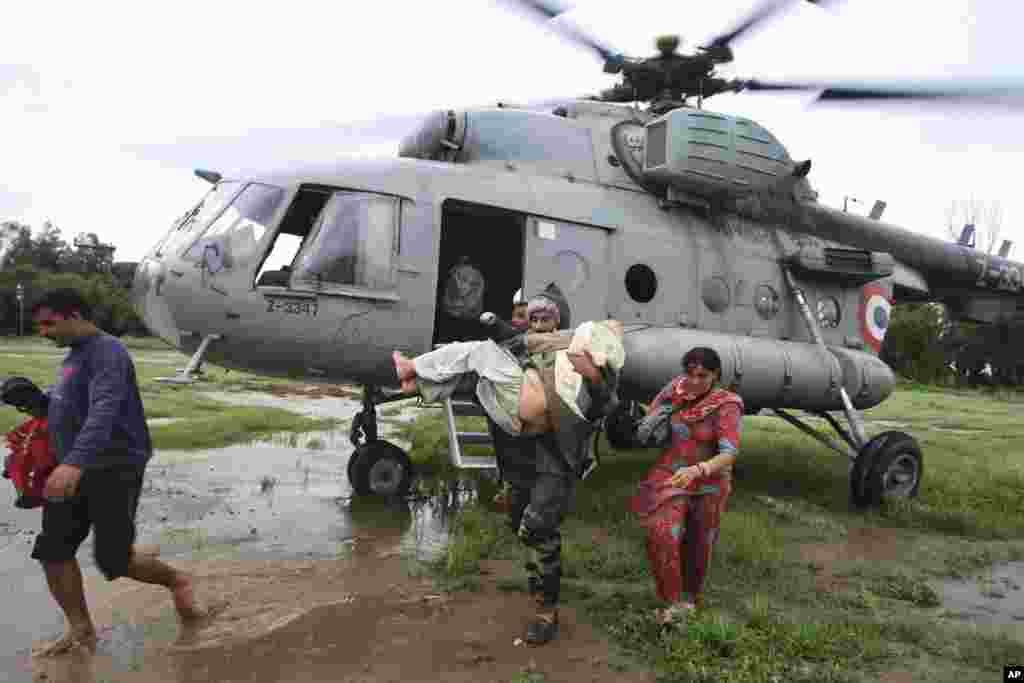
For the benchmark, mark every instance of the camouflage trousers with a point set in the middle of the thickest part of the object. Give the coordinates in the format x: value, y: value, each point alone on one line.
x: 541, y: 488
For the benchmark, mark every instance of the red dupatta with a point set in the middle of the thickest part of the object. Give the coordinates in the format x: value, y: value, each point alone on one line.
x: 655, y: 490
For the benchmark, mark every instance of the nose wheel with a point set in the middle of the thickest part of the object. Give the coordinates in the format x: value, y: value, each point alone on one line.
x: 380, y: 468
x: 376, y: 467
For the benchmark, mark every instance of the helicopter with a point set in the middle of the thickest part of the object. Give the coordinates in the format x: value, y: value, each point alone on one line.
x: 691, y: 227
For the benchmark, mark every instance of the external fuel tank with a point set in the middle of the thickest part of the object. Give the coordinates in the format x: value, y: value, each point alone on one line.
x: 766, y: 373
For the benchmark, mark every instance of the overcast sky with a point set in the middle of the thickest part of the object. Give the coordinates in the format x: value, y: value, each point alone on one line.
x: 105, y: 107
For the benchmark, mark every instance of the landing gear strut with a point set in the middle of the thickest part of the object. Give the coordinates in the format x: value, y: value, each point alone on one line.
x: 376, y: 467
x: 888, y: 465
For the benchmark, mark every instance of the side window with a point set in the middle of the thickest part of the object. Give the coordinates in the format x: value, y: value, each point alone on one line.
x: 292, y: 232
x: 199, y: 217
x: 232, y: 239
x: 353, y: 243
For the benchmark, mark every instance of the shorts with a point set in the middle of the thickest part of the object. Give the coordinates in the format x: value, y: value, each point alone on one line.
x: 106, y: 502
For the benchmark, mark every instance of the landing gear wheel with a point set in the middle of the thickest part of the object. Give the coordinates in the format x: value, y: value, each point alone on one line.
x: 380, y: 468
x: 620, y: 426
x: 889, y: 466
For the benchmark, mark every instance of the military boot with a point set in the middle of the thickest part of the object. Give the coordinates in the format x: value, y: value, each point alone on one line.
x: 544, y: 627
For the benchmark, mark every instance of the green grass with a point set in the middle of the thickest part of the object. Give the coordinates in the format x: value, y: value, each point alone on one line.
x: 768, y: 618
x: 204, y: 422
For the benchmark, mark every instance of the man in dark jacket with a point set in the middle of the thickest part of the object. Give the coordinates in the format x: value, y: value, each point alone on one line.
x: 99, y: 434
x: 540, y: 472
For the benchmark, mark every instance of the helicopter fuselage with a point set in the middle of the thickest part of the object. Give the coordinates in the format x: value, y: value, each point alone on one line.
x: 320, y: 271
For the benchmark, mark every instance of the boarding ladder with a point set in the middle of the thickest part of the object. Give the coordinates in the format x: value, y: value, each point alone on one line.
x: 462, y: 406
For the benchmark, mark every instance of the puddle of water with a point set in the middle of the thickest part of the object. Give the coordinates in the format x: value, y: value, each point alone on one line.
x: 325, y: 407
x: 993, y: 598
x: 286, y: 496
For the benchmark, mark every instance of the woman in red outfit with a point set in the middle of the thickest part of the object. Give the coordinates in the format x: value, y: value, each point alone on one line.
x: 684, y: 495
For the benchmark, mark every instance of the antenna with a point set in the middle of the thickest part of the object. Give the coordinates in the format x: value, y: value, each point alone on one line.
x: 967, y: 236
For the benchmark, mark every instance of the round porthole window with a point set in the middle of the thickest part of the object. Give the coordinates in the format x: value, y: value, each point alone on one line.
x: 641, y: 283
x: 766, y: 302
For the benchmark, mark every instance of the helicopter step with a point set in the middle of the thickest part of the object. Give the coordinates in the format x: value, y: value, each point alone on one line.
x: 187, y: 375
x: 454, y: 407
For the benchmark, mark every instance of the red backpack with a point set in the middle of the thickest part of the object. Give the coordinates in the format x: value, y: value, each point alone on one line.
x: 30, y: 461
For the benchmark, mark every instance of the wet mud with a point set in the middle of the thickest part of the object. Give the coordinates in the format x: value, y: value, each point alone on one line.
x: 861, y: 544
x: 995, y: 598
x: 310, y: 583
x: 358, y: 619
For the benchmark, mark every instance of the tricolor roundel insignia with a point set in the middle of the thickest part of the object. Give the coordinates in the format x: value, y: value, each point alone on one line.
x: 875, y: 309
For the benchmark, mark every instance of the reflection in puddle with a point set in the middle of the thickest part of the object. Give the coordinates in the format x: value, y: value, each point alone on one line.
x: 285, y: 497
x: 994, y: 598
x: 288, y: 495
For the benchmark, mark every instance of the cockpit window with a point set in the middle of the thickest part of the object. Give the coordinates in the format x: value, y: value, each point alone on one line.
x: 199, y: 217
x: 353, y: 243
x: 232, y: 239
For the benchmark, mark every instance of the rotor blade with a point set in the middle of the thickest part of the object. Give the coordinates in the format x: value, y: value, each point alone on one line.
x: 274, y: 147
x: 762, y: 12
x: 1002, y: 91
x: 548, y: 10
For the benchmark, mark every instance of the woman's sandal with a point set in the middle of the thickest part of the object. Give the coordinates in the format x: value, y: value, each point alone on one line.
x: 674, y: 613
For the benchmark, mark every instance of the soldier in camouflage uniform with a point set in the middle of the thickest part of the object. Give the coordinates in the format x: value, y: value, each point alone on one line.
x: 541, y: 465
x: 538, y: 480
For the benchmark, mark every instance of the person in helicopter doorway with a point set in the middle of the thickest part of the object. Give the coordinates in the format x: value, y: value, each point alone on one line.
x: 545, y: 419
x: 462, y: 299
x: 683, y: 497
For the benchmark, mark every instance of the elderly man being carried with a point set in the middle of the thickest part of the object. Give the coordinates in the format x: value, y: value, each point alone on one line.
x: 555, y: 409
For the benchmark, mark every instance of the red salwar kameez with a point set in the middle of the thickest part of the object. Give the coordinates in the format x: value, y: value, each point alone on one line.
x: 683, y: 523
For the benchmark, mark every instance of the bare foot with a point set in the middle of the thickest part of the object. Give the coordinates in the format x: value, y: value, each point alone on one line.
x: 185, y: 599
x: 69, y: 642
x: 190, y: 629
x: 405, y: 368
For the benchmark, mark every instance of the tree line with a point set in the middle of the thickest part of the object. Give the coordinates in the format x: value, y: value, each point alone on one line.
x: 46, y: 261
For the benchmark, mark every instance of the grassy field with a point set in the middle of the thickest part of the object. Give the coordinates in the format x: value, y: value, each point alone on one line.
x: 204, y: 423
x: 802, y: 588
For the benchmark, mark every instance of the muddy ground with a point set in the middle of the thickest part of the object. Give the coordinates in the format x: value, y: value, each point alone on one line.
x: 315, y: 585
x: 311, y: 584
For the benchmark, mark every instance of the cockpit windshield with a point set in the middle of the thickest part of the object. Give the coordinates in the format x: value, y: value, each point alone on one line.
x: 189, y: 225
x: 232, y: 240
